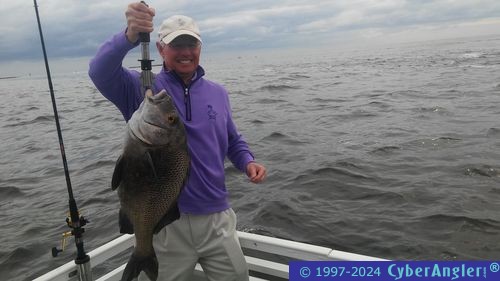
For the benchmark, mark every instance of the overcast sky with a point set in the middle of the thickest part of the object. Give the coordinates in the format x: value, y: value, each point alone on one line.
x: 76, y: 28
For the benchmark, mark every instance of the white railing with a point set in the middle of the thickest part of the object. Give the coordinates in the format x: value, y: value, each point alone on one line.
x: 255, y: 242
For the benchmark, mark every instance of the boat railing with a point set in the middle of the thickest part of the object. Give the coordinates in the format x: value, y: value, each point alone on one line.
x: 257, y: 249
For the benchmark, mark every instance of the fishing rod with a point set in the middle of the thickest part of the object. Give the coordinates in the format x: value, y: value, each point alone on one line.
x: 75, y: 221
x: 146, y: 74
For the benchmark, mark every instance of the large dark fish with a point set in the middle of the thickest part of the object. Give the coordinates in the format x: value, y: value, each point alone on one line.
x: 149, y: 176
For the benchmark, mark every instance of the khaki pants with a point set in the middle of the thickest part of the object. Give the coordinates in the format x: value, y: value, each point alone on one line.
x: 210, y: 240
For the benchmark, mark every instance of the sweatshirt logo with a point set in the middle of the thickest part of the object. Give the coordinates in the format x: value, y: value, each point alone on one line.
x: 212, y: 114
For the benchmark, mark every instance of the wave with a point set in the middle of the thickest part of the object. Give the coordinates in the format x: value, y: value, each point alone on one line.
x: 446, y: 139
x: 277, y: 217
x: 257, y: 122
x: 379, y: 104
x: 270, y: 101
x: 471, y: 55
x: 21, y: 180
x: 407, y: 93
x: 493, y: 132
x: 484, y: 170
x: 8, y: 191
x: 294, y: 77
x: 389, y: 197
x: 325, y: 100
x: 43, y: 119
x: 97, y: 165
x: 300, y: 76
x: 386, y: 149
x: 98, y: 200
x: 32, y: 108
x: 463, y: 221
x: 101, y: 102
x: 282, y: 139
x: 327, y: 185
x: 11, y: 261
x: 432, y: 142
x: 278, y: 88
x: 360, y: 114
x: 330, y: 171
x: 433, y: 109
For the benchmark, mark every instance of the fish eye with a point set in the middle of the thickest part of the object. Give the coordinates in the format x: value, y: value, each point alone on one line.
x: 171, y: 119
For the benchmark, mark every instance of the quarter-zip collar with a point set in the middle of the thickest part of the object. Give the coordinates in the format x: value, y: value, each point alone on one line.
x: 200, y: 72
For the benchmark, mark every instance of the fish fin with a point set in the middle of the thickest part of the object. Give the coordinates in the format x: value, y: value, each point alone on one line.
x: 172, y: 215
x: 136, y: 264
x: 125, y: 224
x: 150, y: 164
x: 117, y: 173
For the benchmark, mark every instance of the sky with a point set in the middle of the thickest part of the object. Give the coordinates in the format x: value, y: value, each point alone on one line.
x: 75, y: 29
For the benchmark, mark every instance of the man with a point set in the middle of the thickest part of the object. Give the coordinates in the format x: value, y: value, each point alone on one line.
x: 205, y: 231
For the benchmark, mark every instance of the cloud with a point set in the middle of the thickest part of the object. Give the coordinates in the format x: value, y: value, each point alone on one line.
x: 392, y: 15
x: 76, y: 28
x: 277, y: 15
x: 69, y: 27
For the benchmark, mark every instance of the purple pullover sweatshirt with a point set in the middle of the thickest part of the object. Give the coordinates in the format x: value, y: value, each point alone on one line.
x: 204, y: 108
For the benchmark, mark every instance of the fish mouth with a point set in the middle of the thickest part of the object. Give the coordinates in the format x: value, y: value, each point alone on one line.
x: 160, y: 97
x: 154, y: 124
x: 144, y: 134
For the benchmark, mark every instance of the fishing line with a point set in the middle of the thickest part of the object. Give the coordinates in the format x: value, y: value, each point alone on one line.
x: 76, y: 222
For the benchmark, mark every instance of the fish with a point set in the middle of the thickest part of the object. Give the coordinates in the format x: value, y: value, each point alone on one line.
x: 148, y: 176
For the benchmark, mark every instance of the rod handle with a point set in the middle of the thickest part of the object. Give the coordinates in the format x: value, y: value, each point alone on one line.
x: 144, y: 36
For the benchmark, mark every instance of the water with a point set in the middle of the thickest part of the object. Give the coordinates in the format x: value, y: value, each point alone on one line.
x: 385, y: 151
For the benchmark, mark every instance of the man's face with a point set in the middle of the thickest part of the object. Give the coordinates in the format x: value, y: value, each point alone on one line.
x: 182, y: 55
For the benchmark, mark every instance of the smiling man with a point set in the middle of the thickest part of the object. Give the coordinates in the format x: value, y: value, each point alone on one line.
x: 180, y: 46
x: 205, y: 233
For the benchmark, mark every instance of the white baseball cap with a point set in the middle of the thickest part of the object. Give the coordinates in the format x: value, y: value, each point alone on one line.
x: 178, y: 25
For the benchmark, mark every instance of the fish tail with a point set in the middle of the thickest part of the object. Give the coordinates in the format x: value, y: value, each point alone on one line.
x: 136, y: 264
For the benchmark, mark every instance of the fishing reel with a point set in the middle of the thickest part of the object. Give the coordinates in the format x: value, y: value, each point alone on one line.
x: 75, y: 231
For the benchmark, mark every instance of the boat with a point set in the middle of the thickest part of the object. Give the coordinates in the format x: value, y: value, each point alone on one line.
x: 267, y: 258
